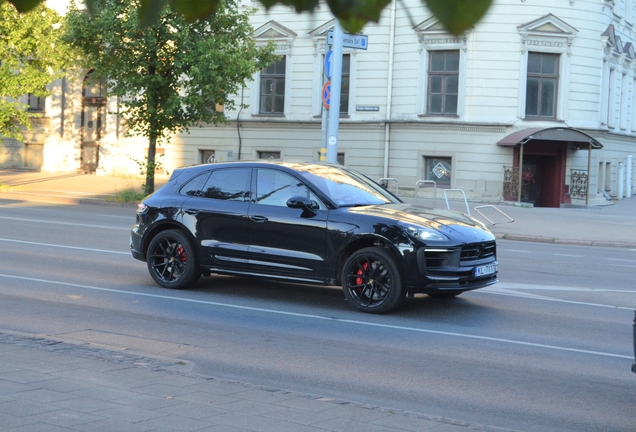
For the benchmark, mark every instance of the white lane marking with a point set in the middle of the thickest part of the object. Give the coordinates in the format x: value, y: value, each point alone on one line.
x: 62, y: 246
x: 570, y: 256
x: 618, y: 259
x: 511, y: 292
x: 517, y: 250
x: 324, y: 318
x: 64, y: 223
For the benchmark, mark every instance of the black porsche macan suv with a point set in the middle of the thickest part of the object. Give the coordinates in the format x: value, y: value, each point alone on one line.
x: 311, y: 223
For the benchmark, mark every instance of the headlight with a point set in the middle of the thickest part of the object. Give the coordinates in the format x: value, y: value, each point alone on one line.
x: 424, y: 233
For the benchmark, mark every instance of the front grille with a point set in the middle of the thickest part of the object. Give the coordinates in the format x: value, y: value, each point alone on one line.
x: 439, y: 258
x: 478, y: 251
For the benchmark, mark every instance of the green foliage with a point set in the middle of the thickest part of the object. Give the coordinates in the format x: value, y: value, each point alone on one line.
x: 170, y: 75
x: 457, y: 16
x: 129, y: 195
x: 32, y: 56
x: 148, y: 169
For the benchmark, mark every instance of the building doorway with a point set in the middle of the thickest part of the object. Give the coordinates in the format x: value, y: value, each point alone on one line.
x: 93, y: 121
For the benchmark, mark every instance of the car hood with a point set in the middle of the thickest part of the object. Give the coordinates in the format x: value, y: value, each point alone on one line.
x: 451, y: 223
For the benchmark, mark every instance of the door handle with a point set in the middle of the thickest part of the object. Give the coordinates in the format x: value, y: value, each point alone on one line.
x: 258, y: 218
x: 192, y: 212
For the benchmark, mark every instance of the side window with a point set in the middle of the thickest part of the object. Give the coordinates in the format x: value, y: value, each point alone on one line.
x: 542, y: 85
x: 276, y: 187
x: 443, y: 82
x: 228, y: 184
x: 272, y: 96
x: 196, y: 186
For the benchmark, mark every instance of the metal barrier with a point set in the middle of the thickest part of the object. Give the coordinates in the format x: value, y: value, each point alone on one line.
x: 491, y: 222
x: 419, y: 182
x: 463, y: 194
x: 384, y: 182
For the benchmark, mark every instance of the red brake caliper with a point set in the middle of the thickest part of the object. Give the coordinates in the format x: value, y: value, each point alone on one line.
x: 181, y: 253
x: 359, y: 280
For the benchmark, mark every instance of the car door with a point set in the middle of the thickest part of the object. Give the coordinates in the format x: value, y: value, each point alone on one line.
x: 286, y: 242
x: 217, y: 213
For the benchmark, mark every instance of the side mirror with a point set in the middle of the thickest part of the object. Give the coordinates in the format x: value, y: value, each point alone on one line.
x: 299, y: 202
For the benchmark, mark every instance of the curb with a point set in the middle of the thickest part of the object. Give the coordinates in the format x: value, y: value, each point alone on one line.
x: 50, y: 198
x: 539, y: 239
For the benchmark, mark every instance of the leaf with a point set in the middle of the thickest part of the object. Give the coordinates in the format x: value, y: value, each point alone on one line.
x: 24, y: 5
x: 457, y: 16
x: 150, y: 11
x: 193, y: 10
x: 299, y: 5
x: 354, y: 14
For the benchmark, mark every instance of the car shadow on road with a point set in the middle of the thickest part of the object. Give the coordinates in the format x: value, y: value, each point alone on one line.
x: 276, y: 294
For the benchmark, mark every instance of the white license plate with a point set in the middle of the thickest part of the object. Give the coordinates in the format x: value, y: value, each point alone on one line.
x: 485, y: 270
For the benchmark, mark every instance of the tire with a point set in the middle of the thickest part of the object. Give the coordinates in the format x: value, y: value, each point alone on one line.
x: 372, y: 281
x: 443, y: 295
x: 172, y: 260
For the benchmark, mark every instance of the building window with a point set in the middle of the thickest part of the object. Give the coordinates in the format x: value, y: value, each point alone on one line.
x: 438, y: 169
x: 542, y: 85
x: 272, y: 96
x: 35, y: 103
x: 443, y: 82
x: 207, y: 156
x: 268, y: 154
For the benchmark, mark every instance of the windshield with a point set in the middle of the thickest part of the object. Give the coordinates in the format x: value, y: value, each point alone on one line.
x: 346, y: 187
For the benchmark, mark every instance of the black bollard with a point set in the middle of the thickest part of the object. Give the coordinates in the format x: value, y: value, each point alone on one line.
x: 634, y: 364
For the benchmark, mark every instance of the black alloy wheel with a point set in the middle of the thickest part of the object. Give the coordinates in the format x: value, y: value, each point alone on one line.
x: 372, y: 281
x: 172, y: 261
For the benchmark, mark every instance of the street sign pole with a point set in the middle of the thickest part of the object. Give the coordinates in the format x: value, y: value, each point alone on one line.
x: 334, y: 103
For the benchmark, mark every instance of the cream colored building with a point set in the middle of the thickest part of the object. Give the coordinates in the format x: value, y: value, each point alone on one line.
x: 537, y: 103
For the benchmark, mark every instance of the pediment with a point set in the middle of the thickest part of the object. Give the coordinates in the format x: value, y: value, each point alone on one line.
x: 629, y: 51
x: 273, y: 30
x: 548, y: 25
x: 321, y: 31
x: 431, y: 25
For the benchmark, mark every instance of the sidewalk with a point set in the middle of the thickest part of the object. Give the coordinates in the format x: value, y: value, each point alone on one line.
x: 51, y: 386
x: 61, y: 385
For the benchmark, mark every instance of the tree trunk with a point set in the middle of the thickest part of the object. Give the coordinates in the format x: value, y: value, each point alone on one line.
x: 149, y: 186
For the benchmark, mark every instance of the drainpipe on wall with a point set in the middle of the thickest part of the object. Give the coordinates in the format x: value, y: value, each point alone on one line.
x: 628, y: 179
x: 389, y: 92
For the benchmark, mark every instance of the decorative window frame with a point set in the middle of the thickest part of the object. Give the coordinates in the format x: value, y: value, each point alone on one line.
x: 549, y: 35
x: 618, y: 60
x: 433, y: 37
x: 284, y: 39
x: 319, y: 39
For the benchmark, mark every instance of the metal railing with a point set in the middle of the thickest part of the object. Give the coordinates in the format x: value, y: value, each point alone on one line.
x: 384, y: 182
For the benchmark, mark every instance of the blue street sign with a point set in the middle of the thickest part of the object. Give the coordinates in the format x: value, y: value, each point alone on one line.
x: 328, y: 64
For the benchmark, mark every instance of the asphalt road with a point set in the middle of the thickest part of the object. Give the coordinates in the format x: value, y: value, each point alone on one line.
x: 546, y: 349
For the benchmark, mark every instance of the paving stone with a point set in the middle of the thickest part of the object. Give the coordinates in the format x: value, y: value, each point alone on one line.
x: 151, y: 402
x: 205, y: 398
x: 44, y: 395
x: 24, y: 408
x: 305, y: 403
x: 300, y: 417
x: 248, y: 406
x: 178, y: 423
x: 105, y: 393
x: 129, y: 414
x: 65, y: 418
x: 111, y: 425
x: 85, y: 404
x: 25, y: 376
x: 408, y: 423
x: 265, y: 396
x: 243, y: 421
x: 194, y: 410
